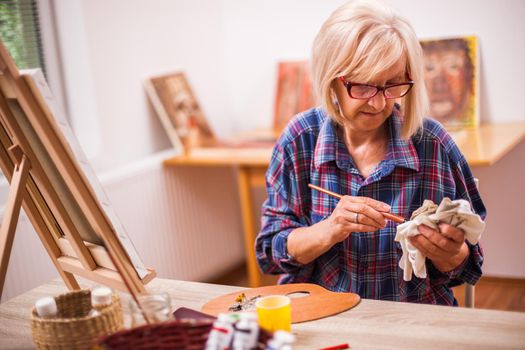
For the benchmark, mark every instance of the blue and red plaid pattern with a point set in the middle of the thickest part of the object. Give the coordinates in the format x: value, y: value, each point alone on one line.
x: 311, y: 150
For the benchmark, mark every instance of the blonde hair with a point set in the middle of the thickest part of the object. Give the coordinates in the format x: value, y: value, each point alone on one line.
x: 360, y: 40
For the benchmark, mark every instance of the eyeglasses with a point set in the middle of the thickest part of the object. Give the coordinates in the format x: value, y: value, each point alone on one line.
x: 367, y: 91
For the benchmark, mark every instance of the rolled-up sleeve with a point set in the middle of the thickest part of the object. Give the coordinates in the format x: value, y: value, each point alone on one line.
x: 466, y: 188
x: 283, y: 211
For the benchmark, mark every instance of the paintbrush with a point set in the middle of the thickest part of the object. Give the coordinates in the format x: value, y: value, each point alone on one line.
x: 390, y: 216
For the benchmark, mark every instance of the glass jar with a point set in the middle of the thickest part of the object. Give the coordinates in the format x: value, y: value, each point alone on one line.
x: 157, y: 308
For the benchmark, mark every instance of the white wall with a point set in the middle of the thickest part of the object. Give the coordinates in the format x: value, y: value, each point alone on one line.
x: 229, y: 49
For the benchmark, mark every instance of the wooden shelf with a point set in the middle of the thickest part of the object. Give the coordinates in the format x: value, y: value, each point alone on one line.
x: 482, y: 146
x: 224, y: 156
x: 487, y: 144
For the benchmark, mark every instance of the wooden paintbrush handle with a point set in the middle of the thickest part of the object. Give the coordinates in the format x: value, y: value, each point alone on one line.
x: 394, y: 217
x: 390, y: 216
x: 330, y: 193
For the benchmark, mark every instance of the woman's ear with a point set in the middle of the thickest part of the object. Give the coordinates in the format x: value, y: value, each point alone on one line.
x: 336, y: 104
x: 333, y: 98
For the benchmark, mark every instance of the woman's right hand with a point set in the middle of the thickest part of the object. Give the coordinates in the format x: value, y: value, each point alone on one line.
x: 354, y: 214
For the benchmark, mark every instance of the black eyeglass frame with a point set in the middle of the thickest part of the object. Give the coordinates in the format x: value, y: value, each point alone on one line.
x: 348, y: 86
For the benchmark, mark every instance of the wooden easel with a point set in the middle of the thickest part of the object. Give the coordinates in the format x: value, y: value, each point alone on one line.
x: 48, y: 182
x: 12, y: 210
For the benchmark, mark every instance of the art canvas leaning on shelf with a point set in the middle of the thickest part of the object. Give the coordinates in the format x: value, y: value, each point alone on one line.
x: 186, y: 124
x: 369, y: 140
x: 452, y: 80
x: 179, y: 111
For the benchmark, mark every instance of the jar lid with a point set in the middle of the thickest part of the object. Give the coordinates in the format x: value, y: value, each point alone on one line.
x: 46, y: 307
x: 101, y: 296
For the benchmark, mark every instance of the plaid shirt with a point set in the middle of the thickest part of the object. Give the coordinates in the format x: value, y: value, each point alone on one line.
x: 311, y: 150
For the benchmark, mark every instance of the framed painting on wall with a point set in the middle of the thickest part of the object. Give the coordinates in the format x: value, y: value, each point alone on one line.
x: 452, y: 80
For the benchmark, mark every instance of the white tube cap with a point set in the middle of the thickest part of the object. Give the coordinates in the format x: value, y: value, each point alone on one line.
x: 101, y: 296
x: 46, y: 307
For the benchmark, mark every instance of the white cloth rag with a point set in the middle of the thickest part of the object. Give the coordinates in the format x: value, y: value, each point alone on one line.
x: 457, y: 213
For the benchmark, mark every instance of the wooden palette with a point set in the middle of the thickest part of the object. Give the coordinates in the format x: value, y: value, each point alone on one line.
x: 318, y: 303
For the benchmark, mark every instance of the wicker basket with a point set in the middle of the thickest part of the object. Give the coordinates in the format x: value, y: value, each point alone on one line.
x: 73, y: 327
x: 168, y: 335
x: 180, y: 334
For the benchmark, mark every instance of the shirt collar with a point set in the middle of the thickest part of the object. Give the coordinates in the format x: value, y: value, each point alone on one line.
x: 401, y: 152
x: 330, y: 145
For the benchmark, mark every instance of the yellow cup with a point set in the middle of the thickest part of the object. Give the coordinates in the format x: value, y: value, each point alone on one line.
x: 274, y: 313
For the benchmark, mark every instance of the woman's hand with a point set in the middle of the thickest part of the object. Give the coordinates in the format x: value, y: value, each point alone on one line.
x: 447, y: 249
x: 354, y: 214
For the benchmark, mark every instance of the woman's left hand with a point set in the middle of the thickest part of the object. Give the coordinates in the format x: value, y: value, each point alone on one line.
x: 447, y: 249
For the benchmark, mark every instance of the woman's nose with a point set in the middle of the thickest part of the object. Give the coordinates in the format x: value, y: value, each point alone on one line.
x: 378, y: 102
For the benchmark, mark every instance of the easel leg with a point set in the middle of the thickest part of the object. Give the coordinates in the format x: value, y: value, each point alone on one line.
x: 8, y: 229
x: 69, y: 280
x: 254, y: 275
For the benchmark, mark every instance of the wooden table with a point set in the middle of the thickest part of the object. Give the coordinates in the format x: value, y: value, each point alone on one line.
x: 482, y: 146
x: 370, y: 325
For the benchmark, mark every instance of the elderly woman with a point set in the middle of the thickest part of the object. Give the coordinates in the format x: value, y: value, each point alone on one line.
x: 370, y: 142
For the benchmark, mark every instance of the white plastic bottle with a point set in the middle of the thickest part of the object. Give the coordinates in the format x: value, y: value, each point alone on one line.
x: 221, y: 333
x: 246, y: 335
x: 101, y: 297
x: 46, y: 307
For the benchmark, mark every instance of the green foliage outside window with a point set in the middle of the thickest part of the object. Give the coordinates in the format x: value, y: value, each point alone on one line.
x: 20, y: 33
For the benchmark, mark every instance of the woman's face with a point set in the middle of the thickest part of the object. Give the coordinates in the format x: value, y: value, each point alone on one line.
x: 369, y: 115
